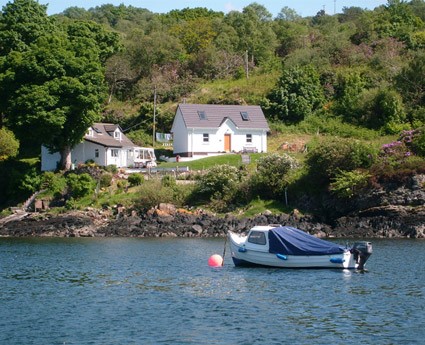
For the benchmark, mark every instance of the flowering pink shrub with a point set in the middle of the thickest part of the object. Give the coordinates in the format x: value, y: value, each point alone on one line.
x: 396, y: 150
x: 400, y: 158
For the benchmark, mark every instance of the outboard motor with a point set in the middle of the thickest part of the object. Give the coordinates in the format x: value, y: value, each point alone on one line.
x: 361, y: 250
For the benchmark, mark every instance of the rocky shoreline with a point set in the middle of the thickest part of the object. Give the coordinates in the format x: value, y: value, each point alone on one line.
x: 395, y: 209
x: 168, y: 221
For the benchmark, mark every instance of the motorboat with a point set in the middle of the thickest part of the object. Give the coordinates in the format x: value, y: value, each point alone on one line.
x: 288, y: 247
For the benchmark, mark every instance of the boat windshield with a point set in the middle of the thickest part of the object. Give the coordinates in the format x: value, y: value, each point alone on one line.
x: 257, y: 237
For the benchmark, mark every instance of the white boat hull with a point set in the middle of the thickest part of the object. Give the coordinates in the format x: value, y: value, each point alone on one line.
x: 247, y: 254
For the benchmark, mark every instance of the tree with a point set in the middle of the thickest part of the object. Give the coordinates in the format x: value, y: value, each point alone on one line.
x: 22, y: 22
x: 254, y: 31
x: 291, y: 35
x: 9, y: 146
x: 399, y: 21
x: 195, y: 35
x: 350, y: 14
x: 411, y: 82
x: 387, y: 111
x: 298, y: 94
x: 54, y: 89
x: 288, y: 14
x: 348, y: 91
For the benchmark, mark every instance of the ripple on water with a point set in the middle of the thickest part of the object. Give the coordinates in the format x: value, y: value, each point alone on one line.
x: 134, y: 291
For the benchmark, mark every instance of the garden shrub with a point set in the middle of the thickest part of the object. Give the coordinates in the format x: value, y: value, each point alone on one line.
x: 329, y: 156
x: 271, y: 177
x: 80, y: 185
x: 346, y: 184
x: 53, y: 183
x: 219, y: 180
x: 105, y: 180
x: 112, y: 168
x: 168, y: 181
x: 122, y: 185
x: 152, y: 193
x: 135, y: 179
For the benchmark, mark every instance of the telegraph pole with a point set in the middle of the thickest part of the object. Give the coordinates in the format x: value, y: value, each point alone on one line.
x: 154, y: 117
x: 246, y: 64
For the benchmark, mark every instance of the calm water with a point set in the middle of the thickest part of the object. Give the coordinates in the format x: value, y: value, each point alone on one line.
x: 139, y: 291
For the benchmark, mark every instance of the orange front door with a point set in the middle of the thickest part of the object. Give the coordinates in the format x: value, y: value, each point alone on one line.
x: 227, y: 142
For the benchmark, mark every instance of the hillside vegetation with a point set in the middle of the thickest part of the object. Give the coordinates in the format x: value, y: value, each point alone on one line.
x: 344, y: 95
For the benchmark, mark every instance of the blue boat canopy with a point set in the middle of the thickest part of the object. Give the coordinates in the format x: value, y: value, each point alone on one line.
x: 291, y: 241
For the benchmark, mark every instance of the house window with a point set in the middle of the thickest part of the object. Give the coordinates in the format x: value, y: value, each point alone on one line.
x: 117, y: 135
x: 96, y: 153
x: 244, y: 116
x: 114, y: 153
x: 202, y: 115
x: 249, y: 138
x: 206, y: 138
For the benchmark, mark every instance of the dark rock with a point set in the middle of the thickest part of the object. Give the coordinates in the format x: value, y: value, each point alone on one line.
x: 395, y: 209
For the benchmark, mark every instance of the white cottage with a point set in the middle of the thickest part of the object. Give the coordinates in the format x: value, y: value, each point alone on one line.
x: 105, y: 144
x: 202, y: 129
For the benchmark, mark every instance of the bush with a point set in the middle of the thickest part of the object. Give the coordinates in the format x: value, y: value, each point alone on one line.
x: 168, y: 181
x: 9, y: 145
x: 272, y: 170
x: 219, y: 180
x: 386, y: 111
x: 401, y: 157
x: 80, y: 185
x: 112, y: 168
x: 329, y: 156
x: 347, y: 183
x: 135, y: 179
x: 105, y: 180
x: 53, y: 183
x: 418, y: 142
x: 152, y: 193
x: 122, y: 185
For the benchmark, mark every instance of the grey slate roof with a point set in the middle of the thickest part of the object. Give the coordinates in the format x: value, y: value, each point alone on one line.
x: 216, y: 114
x: 104, y: 135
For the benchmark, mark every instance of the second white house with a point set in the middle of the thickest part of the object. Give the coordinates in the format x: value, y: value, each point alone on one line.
x: 104, y: 144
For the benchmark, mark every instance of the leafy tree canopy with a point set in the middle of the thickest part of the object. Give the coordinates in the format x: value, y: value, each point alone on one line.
x: 54, y: 88
x: 297, y: 94
x: 22, y: 23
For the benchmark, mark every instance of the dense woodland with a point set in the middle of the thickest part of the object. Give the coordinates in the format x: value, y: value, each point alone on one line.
x: 359, y: 74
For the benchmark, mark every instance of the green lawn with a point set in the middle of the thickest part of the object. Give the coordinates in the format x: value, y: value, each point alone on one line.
x: 206, y: 163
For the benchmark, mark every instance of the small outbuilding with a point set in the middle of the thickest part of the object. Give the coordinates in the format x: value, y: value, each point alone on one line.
x: 203, y: 129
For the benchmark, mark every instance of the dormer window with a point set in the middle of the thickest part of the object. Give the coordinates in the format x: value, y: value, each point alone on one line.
x: 202, y: 115
x: 90, y: 132
x: 117, y: 135
x: 244, y: 116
